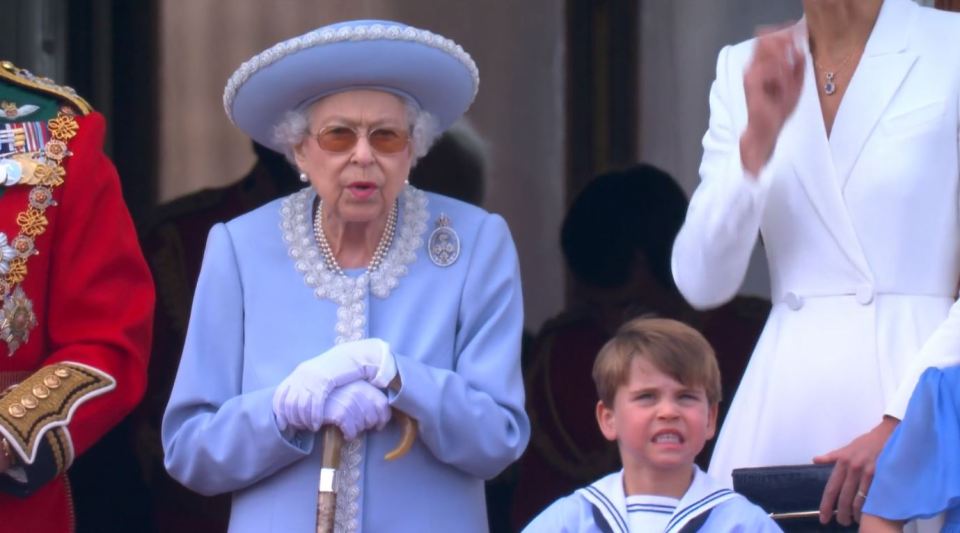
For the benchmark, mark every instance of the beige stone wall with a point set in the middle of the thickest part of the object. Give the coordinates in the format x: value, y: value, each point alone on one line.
x: 519, y: 110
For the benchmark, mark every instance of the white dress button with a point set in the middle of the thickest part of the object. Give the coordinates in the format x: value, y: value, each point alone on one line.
x: 864, y: 294
x: 793, y: 301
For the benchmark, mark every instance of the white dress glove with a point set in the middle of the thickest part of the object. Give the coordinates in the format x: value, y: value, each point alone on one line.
x: 299, y: 399
x: 354, y: 408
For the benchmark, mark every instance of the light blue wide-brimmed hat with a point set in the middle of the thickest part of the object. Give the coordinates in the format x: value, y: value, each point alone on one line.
x: 429, y: 69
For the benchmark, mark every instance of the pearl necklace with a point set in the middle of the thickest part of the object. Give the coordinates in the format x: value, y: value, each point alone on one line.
x: 379, y: 254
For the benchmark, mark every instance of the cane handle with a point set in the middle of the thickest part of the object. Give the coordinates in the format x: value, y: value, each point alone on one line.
x: 409, y: 435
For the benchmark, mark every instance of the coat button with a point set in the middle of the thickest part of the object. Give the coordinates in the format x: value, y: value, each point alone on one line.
x: 864, y: 294
x: 793, y: 301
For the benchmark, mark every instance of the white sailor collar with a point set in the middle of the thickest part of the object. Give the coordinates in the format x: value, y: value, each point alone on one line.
x: 607, y: 496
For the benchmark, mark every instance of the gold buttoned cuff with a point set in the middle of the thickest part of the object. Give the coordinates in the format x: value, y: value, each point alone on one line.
x: 45, y: 401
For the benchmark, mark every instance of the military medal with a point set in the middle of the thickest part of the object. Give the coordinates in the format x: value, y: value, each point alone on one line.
x: 23, y: 137
x: 20, y: 144
x: 444, y: 244
x: 7, y: 254
x: 16, y: 320
x: 31, y: 153
x: 10, y: 172
x: 11, y: 111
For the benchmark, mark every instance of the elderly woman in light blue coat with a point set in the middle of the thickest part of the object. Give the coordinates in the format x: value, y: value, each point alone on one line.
x: 355, y: 298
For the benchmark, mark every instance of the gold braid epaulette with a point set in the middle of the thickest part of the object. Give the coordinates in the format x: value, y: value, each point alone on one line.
x: 39, y: 407
x: 25, y: 78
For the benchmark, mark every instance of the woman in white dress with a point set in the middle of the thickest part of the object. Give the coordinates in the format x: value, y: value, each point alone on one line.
x: 836, y: 140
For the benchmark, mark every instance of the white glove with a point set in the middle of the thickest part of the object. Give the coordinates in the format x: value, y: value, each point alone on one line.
x: 354, y: 408
x: 299, y: 399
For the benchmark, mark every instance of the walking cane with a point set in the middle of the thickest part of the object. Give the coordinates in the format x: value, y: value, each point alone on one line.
x: 332, y: 439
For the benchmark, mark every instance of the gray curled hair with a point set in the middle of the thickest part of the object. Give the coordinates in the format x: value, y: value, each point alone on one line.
x: 294, y: 127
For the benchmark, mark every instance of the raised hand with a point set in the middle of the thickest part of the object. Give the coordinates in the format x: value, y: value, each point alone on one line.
x: 772, y: 84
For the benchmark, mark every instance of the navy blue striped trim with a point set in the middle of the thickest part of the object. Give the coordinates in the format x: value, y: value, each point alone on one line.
x: 646, y: 510
x: 620, y: 521
x: 670, y: 508
x: 696, y: 506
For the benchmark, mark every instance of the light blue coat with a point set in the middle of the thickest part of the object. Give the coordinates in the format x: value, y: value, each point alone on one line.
x: 455, y: 331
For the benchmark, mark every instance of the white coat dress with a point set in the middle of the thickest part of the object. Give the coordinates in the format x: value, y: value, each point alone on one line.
x: 861, y: 234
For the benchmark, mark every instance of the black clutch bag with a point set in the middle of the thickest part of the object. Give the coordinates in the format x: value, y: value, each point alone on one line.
x: 791, y: 494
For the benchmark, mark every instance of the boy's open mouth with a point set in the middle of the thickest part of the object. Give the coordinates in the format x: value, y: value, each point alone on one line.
x: 668, y: 436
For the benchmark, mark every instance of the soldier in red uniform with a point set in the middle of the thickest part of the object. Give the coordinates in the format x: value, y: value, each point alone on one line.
x: 77, y: 298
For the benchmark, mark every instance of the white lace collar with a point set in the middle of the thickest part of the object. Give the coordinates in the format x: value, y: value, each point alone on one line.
x: 296, y: 213
x: 350, y: 294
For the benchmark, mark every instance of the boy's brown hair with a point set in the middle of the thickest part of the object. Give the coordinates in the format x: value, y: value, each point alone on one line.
x: 673, y: 347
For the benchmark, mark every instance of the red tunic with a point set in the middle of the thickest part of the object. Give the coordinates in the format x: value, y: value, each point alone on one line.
x: 92, y: 298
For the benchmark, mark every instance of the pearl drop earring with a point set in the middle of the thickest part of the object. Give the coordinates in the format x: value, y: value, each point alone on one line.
x: 303, y: 177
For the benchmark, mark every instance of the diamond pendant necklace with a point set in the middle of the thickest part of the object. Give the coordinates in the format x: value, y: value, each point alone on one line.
x: 830, y: 76
x: 379, y: 254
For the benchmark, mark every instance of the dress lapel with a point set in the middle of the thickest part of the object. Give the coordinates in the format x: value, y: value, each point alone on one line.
x: 823, y: 165
x: 804, y: 141
x: 879, y: 75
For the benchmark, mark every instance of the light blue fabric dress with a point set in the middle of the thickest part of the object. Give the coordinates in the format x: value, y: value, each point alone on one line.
x: 265, y: 302
x: 918, y: 472
x: 603, y: 507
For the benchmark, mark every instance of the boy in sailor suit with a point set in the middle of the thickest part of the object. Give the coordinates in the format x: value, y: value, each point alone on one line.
x: 659, y: 388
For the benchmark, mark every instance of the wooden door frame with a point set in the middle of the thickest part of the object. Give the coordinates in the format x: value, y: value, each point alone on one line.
x: 113, y: 61
x: 949, y: 5
x: 602, y: 89
x: 602, y: 92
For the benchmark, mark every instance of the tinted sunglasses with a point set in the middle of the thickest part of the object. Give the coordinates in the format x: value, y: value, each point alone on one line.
x: 340, y: 139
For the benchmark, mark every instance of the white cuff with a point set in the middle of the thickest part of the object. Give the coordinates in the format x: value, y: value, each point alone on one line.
x: 17, y: 474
